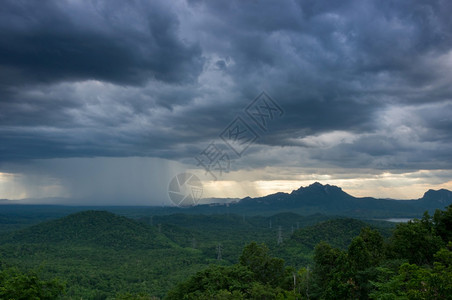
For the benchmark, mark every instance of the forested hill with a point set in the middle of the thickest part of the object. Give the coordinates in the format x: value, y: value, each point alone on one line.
x: 101, y: 255
x: 93, y: 228
x: 336, y: 232
x: 415, y: 262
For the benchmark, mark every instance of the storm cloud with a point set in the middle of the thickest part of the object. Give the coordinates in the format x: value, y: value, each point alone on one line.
x: 363, y: 84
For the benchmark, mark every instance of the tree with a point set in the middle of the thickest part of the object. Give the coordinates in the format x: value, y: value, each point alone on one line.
x: 374, y: 245
x: 358, y: 254
x: 28, y: 286
x: 364, y: 254
x: 257, y: 276
x: 416, y: 241
x: 326, y: 262
x: 212, y: 281
x: 266, y: 269
x: 417, y: 282
x: 442, y: 221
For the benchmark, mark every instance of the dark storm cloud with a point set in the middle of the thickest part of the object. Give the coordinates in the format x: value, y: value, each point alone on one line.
x: 120, y: 42
x: 334, y: 67
x: 154, y: 79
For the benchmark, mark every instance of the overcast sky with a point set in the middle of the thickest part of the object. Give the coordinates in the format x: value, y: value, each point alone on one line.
x: 106, y: 101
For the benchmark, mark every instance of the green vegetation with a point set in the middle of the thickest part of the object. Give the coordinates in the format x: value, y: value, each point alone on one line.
x: 256, y: 276
x: 100, y: 255
x: 28, y: 286
x: 415, y: 263
x: 369, y: 268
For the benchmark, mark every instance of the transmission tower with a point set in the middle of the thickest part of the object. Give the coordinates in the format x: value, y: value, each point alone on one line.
x: 279, y: 235
x: 219, y: 252
x: 270, y: 224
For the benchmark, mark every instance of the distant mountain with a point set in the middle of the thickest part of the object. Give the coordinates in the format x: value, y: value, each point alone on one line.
x: 94, y: 228
x: 314, y: 195
x: 313, y: 199
x: 434, y: 198
x: 330, y: 199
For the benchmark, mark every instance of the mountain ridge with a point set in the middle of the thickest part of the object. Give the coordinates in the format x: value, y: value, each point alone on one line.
x: 319, y: 198
x: 312, y: 199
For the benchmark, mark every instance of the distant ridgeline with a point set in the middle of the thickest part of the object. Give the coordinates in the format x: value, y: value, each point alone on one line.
x: 330, y: 199
x: 313, y: 199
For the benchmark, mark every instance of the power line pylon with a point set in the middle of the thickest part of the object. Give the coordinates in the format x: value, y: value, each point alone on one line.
x: 280, y: 240
x: 219, y: 252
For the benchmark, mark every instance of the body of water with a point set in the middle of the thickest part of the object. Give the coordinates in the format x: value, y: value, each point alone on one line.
x: 398, y: 220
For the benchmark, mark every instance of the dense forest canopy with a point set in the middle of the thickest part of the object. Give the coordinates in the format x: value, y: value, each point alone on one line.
x: 100, y: 255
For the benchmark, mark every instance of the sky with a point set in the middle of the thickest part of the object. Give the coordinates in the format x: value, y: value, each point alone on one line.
x: 104, y: 102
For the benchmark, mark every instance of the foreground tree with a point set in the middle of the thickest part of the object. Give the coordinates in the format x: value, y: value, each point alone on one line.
x: 257, y: 276
x: 28, y: 286
x: 416, y: 282
x: 416, y: 241
x: 266, y: 269
x: 442, y: 223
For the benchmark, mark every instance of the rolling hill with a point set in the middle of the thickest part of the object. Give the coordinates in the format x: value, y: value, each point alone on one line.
x: 95, y: 228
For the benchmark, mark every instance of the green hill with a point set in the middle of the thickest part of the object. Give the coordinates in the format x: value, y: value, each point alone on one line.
x: 96, y: 228
x: 298, y: 248
x: 100, y: 255
x: 337, y: 232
